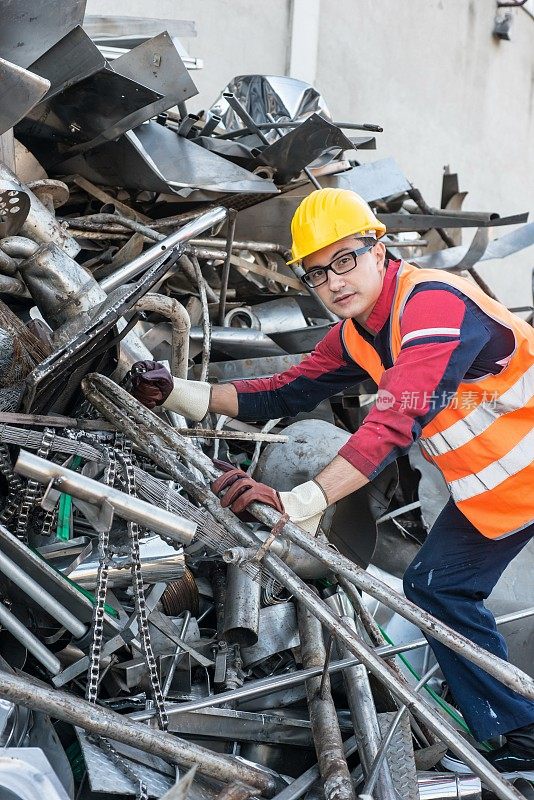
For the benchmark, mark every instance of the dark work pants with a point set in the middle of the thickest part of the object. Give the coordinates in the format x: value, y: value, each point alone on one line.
x: 451, y: 576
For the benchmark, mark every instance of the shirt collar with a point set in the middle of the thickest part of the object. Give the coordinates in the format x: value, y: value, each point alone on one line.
x: 382, y: 308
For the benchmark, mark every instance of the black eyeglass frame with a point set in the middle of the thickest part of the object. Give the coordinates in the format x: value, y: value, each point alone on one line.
x: 354, y: 253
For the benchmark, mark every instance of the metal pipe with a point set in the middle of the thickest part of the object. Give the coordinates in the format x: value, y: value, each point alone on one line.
x: 444, y: 786
x: 323, y: 716
x: 61, y: 287
x: 91, y: 491
x: 242, y: 244
x: 104, y: 722
x: 164, y: 447
x: 180, y: 324
x: 21, y: 633
x: 206, y: 324
x: 130, y: 271
x: 225, y: 276
x: 34, y: 590
x: 365, y: 721
x: 19, y: 246
x: 242, y: 607
x: 40, y: 224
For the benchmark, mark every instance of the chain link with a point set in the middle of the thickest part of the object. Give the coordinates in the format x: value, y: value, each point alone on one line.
x: 14, y: 484
x: 33, y: 488
x: 93, y: 672
x: 125, y: 457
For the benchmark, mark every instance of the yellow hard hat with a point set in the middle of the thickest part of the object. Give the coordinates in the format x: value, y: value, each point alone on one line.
x: 327, y: 215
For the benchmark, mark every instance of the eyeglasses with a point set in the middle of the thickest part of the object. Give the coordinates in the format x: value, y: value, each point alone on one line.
x: 345, y: 263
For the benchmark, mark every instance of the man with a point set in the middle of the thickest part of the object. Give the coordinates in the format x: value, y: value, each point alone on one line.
x: 455, y: 369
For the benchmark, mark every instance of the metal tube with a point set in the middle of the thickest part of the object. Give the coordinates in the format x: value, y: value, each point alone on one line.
x: 40, y: 224
x: 171, y: 242
x: 206, y: 324
x: 242, y: 607
x: 444, y: 786
x: 323, y: 716
x: 181, y: 325
x: 21, y: 633
x: 19, y: 246
x: 232, y: 219
x: 34, y: 590
x: 365, y: 720
x: 104, y: 722
x: 91, y: 491
x: 104, y: 394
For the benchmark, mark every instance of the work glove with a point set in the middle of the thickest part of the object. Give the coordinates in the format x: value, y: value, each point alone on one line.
x: 304, y: 505
x: 156, y: 386
x: 151, y: 383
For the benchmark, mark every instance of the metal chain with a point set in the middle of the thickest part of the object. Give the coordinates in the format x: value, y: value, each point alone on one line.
x: 109, y: 750
x: 14, y: 484
x: 93, y: 672
x: 33, y: 488
x: 125, y: 457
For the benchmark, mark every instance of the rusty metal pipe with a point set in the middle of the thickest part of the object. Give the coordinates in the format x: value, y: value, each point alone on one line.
x: 181, y: 325
x: 323, y: 716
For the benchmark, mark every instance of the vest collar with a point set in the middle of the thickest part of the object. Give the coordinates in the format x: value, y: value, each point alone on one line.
x: 382, y: 308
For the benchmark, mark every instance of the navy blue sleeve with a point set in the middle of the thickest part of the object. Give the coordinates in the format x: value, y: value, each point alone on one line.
x: 325, y: 372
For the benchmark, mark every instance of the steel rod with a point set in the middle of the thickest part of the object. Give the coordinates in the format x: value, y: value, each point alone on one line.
x: 365, y: 721
x: 225, y: 276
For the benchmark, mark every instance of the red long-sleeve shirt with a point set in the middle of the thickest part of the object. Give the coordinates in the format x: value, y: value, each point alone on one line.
x: 446, y: 338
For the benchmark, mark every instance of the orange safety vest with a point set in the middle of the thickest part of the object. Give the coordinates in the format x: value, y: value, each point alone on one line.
x: 483, y: 440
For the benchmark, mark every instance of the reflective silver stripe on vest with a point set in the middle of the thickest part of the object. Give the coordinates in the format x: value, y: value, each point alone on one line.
x: 479, y: 420
x: 519, y: 457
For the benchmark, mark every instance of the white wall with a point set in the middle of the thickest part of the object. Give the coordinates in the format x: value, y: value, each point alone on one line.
x: 429, y: 71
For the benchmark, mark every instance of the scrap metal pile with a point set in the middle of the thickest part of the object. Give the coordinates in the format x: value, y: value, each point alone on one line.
x: 151, y: 643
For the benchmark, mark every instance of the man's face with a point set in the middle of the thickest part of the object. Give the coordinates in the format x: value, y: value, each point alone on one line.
x: 353, y: 294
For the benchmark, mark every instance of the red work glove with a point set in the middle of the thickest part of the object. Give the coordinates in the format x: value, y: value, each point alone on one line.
x: 243, y: 490
x: 152, y: 383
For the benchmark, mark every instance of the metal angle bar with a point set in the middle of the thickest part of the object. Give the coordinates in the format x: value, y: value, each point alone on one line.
x: 165, y: 454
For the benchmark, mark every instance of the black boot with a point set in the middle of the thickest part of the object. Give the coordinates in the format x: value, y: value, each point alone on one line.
x: 517, y: 755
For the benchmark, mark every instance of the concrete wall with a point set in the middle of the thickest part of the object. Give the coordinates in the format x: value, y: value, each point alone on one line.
x: 429, y: 71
